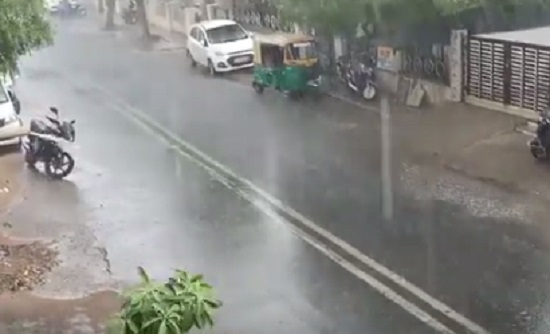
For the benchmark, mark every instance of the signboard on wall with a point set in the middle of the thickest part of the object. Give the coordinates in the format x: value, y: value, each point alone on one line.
x: 385, y: 58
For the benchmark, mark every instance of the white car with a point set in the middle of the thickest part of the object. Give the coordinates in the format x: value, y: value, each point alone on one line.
x: 11, y: 126
x: 220, y: 45
x: 51, y: 5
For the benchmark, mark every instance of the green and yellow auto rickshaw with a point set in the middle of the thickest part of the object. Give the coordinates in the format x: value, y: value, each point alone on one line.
x: 287, y: 62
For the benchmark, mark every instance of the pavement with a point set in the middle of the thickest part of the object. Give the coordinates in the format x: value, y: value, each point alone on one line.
x: 278, y: 203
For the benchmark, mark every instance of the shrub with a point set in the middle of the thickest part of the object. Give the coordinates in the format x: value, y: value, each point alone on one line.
x: 184, y: 302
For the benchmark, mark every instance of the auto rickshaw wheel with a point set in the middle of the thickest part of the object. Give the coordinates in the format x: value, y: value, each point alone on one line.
x: 258, y: 88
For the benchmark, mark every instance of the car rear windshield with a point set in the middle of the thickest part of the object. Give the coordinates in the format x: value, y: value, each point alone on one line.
x: 224, y: 34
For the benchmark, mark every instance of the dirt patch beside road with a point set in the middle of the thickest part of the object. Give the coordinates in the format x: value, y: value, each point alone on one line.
x: 24, y: 265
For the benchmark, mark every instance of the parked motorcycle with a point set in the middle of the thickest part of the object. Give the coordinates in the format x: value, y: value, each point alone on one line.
x: 540, y: 145
x: 129, y: 15
x: 359, y: 79
x: 44, y: 145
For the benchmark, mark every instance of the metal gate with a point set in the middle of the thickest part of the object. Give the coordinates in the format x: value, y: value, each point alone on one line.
x: 529, y: 77
x: 510, y: 73
x: 486, y: 69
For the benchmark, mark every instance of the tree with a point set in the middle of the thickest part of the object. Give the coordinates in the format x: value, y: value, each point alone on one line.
x: 452, y: 7
x: 110, y: 15
x: 100, y: 6
x: 142, y: 18
x: 23, y: 28
x: 328, y: 17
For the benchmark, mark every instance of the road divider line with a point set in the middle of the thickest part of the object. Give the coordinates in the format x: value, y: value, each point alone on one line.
x: 145, y: 120
x: 266, y: 209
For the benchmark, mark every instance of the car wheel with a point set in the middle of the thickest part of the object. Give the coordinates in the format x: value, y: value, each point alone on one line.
x: 211, y: 69
x: 192, y: 61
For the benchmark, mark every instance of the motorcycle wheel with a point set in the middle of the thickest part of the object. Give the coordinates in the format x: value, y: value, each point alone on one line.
x: 369, y: 93
x: 538, y: 153
x: 58, y: 167
x: 30, y: 159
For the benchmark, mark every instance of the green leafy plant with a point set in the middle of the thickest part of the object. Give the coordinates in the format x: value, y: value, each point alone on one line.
x: 23, y: 28
x: 184, y: 302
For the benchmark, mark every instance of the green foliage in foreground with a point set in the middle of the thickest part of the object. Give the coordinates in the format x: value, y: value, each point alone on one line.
x: 185, y: 302
x: 23, y: 28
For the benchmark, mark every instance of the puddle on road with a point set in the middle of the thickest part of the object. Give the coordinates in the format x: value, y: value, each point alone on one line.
x: 23, y: 313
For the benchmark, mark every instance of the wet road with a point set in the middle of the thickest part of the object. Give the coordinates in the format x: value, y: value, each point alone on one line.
x: 142, y: 203
x: 147, y: 204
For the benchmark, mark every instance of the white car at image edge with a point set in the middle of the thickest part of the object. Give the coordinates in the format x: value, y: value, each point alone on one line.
x: 11, y: 126
x: 220, y: 45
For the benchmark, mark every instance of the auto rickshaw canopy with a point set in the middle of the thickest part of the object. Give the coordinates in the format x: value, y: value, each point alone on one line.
x: 285, y: 42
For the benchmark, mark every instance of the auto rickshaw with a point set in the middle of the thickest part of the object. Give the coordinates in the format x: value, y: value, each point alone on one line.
x: 287, y: 62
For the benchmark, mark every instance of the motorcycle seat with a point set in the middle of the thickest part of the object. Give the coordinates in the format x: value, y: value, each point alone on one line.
x: 38, y: 126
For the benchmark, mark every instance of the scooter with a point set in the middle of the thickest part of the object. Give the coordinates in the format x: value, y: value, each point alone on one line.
x: 342, y: 65
x: 44, y: 145
x: 360, y: 81
x: 129, y: 15
x: 540, y: 145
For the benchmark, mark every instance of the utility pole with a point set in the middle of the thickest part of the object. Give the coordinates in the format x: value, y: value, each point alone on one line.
x: 385, y: 133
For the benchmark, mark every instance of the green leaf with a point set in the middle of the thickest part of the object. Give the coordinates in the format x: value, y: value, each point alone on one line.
x: 213, y: 303
x: 196, y: 278
x: 163, y: 329
x: 175, y: 328
x: 159, y: 308
x: 143, y: 275
x: 208, y: 319
x: 133, y: 327
x: 150, y: 323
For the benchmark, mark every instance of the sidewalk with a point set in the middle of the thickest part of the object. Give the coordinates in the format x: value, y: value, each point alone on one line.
x: 474, y: 142
x: 171, y: 40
